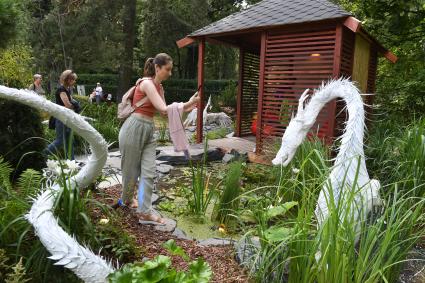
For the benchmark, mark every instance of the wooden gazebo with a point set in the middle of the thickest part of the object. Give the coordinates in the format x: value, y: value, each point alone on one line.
x: 285, y: 47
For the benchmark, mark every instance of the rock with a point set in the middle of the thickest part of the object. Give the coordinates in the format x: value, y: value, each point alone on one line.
x: 228, y: 158
x: 155, y: 198
x: 243, y: 157
x: 170, y: 225
x: 196, y: 151
x: 110, y: 181
x: 192, y: 129
x: 215, y: 242
x: 230, y: 135
x: 114, y: 162
x: 181, y: 234
x: 115, y: 153
x: 207, y: 128
x: 247, y: 250
x: 164, y: 168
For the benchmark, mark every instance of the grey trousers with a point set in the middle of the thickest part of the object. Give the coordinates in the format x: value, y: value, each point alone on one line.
x: 138, y: 154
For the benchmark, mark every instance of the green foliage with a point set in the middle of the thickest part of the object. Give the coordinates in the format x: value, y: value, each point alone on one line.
x: 15, y: 66
x: 217, y: 133
x: 229, y: 201
x: 8, y: 14
x: 106, y: 121
x: 400, y: 86
x: 159, y: 269
x: 176, y: 90
x: 163, y: 136
x: 294, y: 250
x: 21, y: 136
x: 397, y: 153
x: 29, y: 182
x: 228, y: 95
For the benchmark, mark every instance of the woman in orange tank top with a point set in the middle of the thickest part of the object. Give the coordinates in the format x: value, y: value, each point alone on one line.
x: 136, y: 141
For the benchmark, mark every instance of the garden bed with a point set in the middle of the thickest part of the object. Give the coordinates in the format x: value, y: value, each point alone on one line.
x: 220, y: 258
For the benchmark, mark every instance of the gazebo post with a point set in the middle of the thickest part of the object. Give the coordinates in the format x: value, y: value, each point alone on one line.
x: 239, y: 97
x: 200, y: 123
x: 259, y: 146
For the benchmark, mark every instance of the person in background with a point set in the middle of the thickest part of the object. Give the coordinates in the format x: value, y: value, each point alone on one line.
x: 99, y: 92
x: 36, y: 85
x: 63, y: 133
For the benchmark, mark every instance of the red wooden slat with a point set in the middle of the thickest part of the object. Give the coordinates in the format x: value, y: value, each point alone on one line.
x: 199, y: 124
x: 260, y: 91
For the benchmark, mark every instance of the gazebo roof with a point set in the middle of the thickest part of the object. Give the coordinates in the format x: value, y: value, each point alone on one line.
x: 269, y: 13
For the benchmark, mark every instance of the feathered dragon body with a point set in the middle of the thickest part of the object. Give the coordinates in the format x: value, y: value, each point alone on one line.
x: 63, y: 248
x: 349, y: 173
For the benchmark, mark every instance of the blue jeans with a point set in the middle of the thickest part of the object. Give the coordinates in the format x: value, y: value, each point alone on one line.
x: 98, y: 99
x: 62, y: 142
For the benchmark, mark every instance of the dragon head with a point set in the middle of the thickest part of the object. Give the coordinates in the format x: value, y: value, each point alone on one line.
x: 294, y: 134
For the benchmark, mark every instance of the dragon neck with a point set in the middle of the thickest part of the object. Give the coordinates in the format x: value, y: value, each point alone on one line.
x: 351, y: 141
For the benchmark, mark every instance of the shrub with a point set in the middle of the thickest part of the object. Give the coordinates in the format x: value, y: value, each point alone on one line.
x: 21, y: 136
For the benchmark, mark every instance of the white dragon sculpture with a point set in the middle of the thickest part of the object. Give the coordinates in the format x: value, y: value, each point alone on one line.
x: 349, y: 173
x: 63, y: 248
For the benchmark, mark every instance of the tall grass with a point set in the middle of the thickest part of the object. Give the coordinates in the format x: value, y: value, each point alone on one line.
x: 202, y: 190
x: 229, y: 201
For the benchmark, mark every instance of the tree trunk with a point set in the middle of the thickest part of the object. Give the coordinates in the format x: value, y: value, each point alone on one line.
x: 126, y: 64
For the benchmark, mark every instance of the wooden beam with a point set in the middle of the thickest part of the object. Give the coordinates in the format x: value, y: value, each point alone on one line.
x: 259, y: 145
x: 353, y: 24
x: 200, y: 120
x: 184, y: 42
x: 240, y: 94
x: 390, y: 56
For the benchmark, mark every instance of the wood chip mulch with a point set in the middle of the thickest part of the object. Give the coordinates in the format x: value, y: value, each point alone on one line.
x: 220, y: 258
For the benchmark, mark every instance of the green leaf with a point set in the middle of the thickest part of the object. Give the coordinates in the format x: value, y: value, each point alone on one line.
x: 280, y: 209
x: 199, y: 271
x: 173, y: 249
x: 278, y: 234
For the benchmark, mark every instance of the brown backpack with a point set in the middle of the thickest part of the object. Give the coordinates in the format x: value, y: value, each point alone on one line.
x: 125, y: 108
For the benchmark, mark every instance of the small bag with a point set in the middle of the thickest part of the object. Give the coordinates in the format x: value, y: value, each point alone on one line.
x: 125, y: 108
x: 52, y: 123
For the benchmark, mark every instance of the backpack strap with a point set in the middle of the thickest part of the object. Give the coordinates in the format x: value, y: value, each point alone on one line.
x: 144, y: 99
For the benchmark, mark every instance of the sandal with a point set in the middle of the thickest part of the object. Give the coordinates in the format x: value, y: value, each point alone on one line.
x: 120, y: 203
x: 151, y: 219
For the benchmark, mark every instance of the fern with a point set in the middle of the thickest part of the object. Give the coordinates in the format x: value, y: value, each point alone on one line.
x: 30, y: 182
x: 18, y: 274
x: 3, y: 263
x: 5, y: 171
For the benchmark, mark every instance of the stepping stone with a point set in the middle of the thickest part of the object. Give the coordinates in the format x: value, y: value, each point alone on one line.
x: 228, y: 158
x: 215, y: 242
x: 180, y: 234
x: 169, y: 226
x: 110, y: 181
x: 247, y: 251
x: 164, y: 168
x: 114, y: 162
x: 155, y: 198
x: 168, y: 154
x: 114, y: 154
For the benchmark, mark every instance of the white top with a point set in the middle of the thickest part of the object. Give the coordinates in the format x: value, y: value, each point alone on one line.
x: 99, y: 90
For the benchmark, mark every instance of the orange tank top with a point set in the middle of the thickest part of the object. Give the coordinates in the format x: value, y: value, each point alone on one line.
x: 147, y: 108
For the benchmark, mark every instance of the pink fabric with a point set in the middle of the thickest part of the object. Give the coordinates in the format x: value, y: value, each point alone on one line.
x: 175, y: 125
